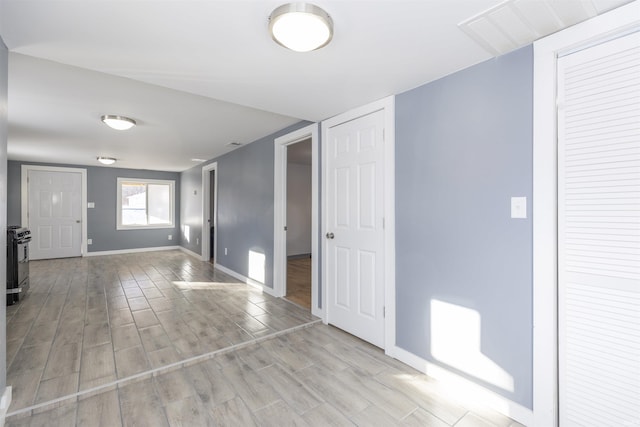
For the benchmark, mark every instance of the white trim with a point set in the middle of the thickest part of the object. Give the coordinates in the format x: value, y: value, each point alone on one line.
x: 280, y: 212
x: 172, y: 203
x: 545, y: 236
x: 189, y: 252
x: 460, y: 388
x: 388, y: 106
x: 244, y: 279
x: 24, y: 192
x: 5, y: 402
x: 134, y: 250
x: 206, y: 211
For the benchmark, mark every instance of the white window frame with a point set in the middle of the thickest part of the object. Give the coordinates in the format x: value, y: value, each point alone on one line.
x: 172, y: 202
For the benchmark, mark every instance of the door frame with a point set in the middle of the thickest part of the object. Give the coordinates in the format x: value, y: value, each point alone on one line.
x: 280, y: 212
x: 388, y: 106
x: 545, y: 196
x: 206, y: 210
x: 24, y: 195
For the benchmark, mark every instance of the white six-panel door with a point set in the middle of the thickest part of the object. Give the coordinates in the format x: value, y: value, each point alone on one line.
x: 55, y: 214
x: 354, y: 168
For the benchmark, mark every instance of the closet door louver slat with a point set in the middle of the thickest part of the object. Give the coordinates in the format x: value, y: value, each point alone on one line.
x: 599, y: 234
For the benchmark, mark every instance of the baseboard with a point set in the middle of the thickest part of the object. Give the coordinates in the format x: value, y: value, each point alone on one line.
x: 5, y: 401
x: 246, y: 280
x: 132, y: 251
x: 462, y: 388
x: 190, y: 252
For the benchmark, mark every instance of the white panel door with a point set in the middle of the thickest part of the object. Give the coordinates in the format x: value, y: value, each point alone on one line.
x: 55, y: 214
x: 599, y: 234
x: 355, y: 235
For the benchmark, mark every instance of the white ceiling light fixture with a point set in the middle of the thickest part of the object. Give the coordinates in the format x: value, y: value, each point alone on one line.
x: 301, y: 27
x: 107, y: 160
x: 118, y: 122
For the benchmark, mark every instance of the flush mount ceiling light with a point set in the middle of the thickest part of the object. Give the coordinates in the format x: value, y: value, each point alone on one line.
x: 301, y: 27
x: 107, y: 160
x: 118, y: 122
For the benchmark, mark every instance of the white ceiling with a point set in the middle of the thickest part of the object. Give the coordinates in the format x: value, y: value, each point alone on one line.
x: 197, y: 75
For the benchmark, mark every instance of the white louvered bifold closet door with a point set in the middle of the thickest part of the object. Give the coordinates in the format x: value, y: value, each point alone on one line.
x: 599, y: 234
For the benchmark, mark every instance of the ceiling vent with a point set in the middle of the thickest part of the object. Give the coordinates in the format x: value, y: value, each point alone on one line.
x: 516, y: 23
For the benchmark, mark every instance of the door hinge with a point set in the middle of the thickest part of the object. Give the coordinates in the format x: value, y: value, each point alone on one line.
x: 285, y: 228
x: 383, y: 223
x: 384, y: 311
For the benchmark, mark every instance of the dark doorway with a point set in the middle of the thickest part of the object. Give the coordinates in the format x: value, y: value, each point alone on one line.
x: 212, y: 186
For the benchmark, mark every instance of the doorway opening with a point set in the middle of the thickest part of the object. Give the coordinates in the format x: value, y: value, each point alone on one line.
x: 296, y: 252
x: 209, y: 211
x: 298, y: 219
x: 212, y: 189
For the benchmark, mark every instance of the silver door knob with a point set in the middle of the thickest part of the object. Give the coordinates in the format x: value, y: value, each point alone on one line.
x: 330, y: 236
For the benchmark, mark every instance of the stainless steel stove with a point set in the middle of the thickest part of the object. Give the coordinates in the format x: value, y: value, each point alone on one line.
x: 18, y: 239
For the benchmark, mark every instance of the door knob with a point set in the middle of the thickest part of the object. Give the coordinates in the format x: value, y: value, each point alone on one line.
x: 330, y: 236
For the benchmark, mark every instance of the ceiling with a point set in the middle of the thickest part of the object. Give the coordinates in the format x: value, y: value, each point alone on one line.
x: 198, y: 75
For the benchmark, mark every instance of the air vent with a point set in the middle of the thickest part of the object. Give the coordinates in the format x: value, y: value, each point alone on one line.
x: 516, y: 23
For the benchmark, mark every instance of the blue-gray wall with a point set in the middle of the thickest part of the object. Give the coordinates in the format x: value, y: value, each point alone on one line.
x: 101, y: 220
x: 245, y: 205
x: 4, y: 56
x: 463, y: 149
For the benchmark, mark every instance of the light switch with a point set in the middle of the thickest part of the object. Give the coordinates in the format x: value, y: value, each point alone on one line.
x: 91, y: 205
x: 518, y: 207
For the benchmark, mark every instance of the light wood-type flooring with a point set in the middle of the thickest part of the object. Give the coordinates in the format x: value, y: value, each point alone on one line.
x: 299, y: 281
x: 162, y: 339
x: 91, y: 321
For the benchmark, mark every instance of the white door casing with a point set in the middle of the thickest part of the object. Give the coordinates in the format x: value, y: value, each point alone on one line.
x: 280, y: 212
x: 545, y: 184
x: 357, y: 164
x: 53, y: 208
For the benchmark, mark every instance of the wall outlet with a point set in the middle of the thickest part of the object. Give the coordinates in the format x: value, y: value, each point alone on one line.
x: 91, y: 205
x: 225, y: 251
x: 89, y: 241
x: 170, y: 237
x: 197, y: 240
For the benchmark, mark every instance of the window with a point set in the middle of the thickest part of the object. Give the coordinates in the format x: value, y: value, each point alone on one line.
x: 145, y: 203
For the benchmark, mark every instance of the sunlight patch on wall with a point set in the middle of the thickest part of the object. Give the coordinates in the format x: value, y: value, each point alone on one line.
x: 256, y: 266
x: 456, y: 341
x: 186, y: 233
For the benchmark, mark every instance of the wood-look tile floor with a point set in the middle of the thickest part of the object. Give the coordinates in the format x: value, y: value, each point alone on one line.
x: 299, y: 281
x: 313, y: 376
x: 88, y: 322
x: 125, y: 322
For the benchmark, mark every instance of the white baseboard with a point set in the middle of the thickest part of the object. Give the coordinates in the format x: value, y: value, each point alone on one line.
x: 5, y: 401
x: 190, y: 252
x: 462, y: 388
x: 134, y: 250
x: 246, y: 280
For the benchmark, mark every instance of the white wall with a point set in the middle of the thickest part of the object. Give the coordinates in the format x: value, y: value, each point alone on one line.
x: 298, y: 209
